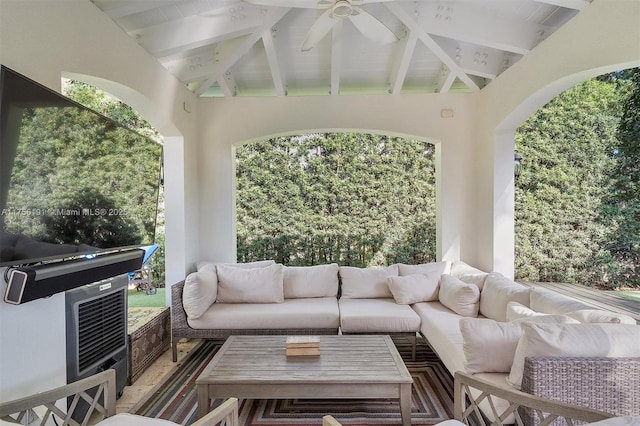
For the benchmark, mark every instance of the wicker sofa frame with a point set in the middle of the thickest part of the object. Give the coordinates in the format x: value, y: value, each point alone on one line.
x: 181, y: 329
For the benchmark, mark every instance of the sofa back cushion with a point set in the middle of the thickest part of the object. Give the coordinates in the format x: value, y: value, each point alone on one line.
x: 310, y: 281
x: 247, y: 265
x: 254, y: 285
x: 573, y: 340
x: 410, y: 289
x: 468, y: 274
x: 366, y: 283
x: 497, y: 292
x: 200, y: 291
x: 550, y: 302
x: 489, y: 346
x: 430, y: 269
x: 460, y: 297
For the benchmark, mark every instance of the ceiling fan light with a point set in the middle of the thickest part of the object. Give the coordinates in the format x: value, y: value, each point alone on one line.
x: 342, y: 9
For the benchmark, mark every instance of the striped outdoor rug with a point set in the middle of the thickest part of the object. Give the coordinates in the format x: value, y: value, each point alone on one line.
x: 432, y: 400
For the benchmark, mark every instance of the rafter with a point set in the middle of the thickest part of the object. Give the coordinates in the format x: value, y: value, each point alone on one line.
x: 476, y: 24
x: 195, y: 31
x: 569, y: 4
x: 401, y: 65
x: 226, y: 61
x: 336, y: 57
x: 413, y: 26
x: 274, y: 64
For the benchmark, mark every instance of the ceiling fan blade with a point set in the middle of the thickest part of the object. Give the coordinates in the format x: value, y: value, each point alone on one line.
x: 308, y: 4
x: 318, y: 30
x: 371, y: 27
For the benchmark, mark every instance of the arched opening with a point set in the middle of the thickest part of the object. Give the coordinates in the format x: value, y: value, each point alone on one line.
x: 351, y: 198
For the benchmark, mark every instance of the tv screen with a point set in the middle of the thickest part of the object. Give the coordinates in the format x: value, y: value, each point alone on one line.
x: 72, y: 182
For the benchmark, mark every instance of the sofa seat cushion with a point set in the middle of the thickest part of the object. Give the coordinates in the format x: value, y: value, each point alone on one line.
x: 440, y: 326
x: 377, y: 315
x: 319, y: 312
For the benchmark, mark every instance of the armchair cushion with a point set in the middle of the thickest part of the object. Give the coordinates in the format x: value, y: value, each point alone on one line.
x: 577, y: 340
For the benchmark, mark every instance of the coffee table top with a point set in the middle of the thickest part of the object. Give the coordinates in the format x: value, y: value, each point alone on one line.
x: 343, y: 359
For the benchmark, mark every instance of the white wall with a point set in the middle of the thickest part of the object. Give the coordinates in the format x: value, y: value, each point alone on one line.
x: 229, y: 122
x: 604, y: 37
x: 46, y: 40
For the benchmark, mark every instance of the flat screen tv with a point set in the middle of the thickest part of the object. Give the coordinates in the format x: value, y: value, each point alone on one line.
x: 72, y: 182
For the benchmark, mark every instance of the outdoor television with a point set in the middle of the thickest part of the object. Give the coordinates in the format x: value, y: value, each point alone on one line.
x: 72, y: 182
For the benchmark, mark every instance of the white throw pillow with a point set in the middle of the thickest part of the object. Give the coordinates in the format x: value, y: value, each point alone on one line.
x: 415, y: 288
x: 366, y: 283
x: 489, y: 346
x: 200, y: 291
x: 499, y: 290
x: 433, y: 268
x: 254, y: 285
x: 310, y: 281
x: 247, y: 265
x: 577, y: 340
x: 599, y: 316
x: 516, y: 311
x: 461, y: 298
x: 550, y: 302
x: 477, y: 279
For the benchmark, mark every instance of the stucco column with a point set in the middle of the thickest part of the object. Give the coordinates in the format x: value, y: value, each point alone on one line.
x: 503, y: 203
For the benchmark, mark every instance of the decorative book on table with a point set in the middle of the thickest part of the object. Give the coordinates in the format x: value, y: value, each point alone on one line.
x: 303, y: 346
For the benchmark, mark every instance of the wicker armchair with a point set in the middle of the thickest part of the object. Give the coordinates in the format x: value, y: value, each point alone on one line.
x: 93, y: 401
x: 582, y: 389
x: 181, y: 329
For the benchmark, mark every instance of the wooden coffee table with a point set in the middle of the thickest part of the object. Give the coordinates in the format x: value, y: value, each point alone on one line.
x: 256, y: 367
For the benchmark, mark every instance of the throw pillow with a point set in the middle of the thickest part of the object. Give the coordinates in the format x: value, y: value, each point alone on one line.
x: 499, y: 290
x: 461, y: 298
x: 489, y: 346
x: 200, y: 291
x: 517, y: 311
x: 599, y: 316
x: 366, y: 283
x: 433, y: 268
x: 255, y: 285
x: 477, y: 279
x: 310, y: 281
x: 415, y: 288
x: 577, y: 340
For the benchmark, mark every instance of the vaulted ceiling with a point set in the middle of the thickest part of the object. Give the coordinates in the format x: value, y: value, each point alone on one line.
x: 304, y: 47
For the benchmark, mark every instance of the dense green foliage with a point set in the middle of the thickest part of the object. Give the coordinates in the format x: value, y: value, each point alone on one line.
x: 353, y: 199
x: 575, y: 198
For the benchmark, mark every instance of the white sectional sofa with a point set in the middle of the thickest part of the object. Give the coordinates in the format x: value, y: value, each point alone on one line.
x: 477, y: 322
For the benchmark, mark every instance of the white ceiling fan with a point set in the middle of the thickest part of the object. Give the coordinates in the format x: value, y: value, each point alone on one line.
x: 336, y: 10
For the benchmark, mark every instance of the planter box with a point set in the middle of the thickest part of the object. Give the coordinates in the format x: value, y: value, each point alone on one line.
x: 149, y: 335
